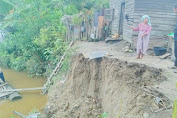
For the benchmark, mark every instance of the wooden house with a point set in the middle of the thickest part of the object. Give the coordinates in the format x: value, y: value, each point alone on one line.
x: 126, y: 13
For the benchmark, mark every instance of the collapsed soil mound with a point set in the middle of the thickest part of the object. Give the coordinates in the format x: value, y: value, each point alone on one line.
x: 116, y: 87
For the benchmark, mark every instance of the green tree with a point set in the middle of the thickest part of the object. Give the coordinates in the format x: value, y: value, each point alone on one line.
x: 34, y: 39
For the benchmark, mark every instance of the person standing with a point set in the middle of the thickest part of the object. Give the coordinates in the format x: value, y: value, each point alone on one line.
x: 175, y: 38
x: 2, y: 76
x: 144, y: 29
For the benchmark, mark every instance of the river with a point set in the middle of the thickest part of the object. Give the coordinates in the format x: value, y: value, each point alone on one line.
x: 30, y: 100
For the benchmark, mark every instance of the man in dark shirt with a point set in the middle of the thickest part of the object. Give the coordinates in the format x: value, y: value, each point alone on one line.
x: 175, y: 38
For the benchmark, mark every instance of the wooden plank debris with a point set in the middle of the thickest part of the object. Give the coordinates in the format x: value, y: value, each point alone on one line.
x: 158, y: 98
x: 165, y: 56
x: 24, y: 89
x: 163, y: 109
x: 3, y: 84
x: 14, y: 96
x: 6, y: 91
x: 5, y: 94
x: 17, y: 113
x: 57, y: 68
x: 112, y: 40
x: 34, y: 115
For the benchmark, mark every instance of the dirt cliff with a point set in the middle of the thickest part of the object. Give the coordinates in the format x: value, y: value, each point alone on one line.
x: 121, y: 89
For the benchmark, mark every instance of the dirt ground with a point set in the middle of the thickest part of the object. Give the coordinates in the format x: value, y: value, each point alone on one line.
x: 168, y: 87
x: 119, y: 85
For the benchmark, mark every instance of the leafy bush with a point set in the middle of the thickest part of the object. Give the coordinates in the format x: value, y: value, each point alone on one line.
x: 34, y: 36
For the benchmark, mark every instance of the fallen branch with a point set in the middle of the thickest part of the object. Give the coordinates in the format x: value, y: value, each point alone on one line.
x: 150, y: 107
x: 163, y: 109
x: 150, y: 92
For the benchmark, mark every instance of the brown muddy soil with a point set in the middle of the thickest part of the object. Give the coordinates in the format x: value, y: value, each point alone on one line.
x: 121, y: 89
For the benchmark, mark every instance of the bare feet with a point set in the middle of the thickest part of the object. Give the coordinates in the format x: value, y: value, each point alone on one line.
x: 142, y: 56
x: 138, y: 57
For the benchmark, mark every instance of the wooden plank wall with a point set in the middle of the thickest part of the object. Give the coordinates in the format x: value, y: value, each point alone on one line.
x: 129, y: 9
x: 162, y: 18
x: 115, y: 4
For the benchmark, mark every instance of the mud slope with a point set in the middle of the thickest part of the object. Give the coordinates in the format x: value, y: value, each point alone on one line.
x: 106, y: 85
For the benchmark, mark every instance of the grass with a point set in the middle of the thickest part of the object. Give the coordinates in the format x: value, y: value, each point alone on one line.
x: 120, y: 108
x: 175, y: 109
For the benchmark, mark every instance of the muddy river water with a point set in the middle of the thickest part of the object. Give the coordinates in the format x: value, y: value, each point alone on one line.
x: 30, y: 100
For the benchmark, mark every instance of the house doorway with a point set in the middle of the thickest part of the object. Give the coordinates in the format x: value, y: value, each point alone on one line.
x: 121, y: 19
